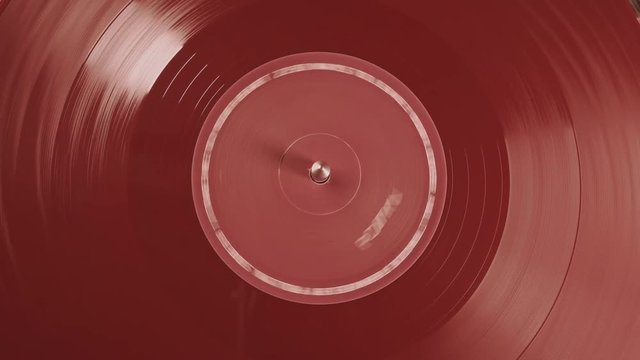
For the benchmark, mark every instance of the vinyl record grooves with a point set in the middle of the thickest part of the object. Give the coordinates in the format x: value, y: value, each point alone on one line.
x: 345, y: 180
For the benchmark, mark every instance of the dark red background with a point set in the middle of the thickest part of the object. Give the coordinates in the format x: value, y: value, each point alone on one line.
x: 101, y: 253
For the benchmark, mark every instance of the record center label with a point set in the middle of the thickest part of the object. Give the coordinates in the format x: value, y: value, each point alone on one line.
x: 319, y: 178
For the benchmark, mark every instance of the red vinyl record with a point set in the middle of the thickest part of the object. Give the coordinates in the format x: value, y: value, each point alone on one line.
x: 389, y: 179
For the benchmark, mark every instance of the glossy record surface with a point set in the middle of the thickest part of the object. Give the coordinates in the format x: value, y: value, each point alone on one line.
x: 536, y: 255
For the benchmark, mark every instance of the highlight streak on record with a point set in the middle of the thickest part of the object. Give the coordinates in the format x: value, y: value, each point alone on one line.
x: 36, y: 78
x: 46, y: 242
x: 597, y: 314
x: 537, y: 253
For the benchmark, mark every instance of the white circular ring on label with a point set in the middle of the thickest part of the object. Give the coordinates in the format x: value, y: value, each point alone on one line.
x: 293, y: 288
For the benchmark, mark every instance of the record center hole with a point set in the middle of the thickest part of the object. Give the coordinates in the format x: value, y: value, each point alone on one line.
x: 320, y: 172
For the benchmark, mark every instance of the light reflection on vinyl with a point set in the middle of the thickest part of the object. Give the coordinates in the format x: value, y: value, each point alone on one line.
x: 498, y: 143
